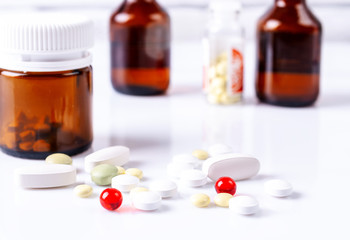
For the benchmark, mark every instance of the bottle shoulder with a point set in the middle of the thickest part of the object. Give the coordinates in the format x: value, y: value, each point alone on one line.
x: 139, y: 13
x: 289, y: 19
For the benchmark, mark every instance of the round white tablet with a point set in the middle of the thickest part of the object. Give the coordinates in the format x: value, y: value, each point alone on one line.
x: 45, y: 176
x: 244, y: 205
x: 278, y: 188
x: 125, y: 183
x: 234, y: 165
x: 116, y: 155
x: 193, y: 178
x: 146, y: 201
x: 165, y: 188
x: 218, y: 149
x: 174, y: 170
x: 185, y: 159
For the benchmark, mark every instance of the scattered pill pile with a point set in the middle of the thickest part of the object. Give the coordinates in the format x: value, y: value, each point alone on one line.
x: 105, y: 167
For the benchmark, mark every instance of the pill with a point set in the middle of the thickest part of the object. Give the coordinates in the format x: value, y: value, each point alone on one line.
x: 222, y: 199
x: 185, y: 159
x: 135, y: 190
x: 116, y: 155
x: 26, y: 146
x: 125, y: 182
x: 278, y: 188
x: 147, y: 200
x: 102, y: 174
x: 166, y: 188
x: 45, y: 176
x: 121, y: 170
x: 175, y: 169
x: 218, y: 149
x: 59, y: 158
x: 200, y: 154
x: 134, y: 172
x: 200, y: 200
x: 213, y: 98
x: 41, y: 146
x: 193, y: 178
x: 225, y: 185
x: 233, y: 165
x: 244, y: 205
x: 83, y: 191
x: 111, y: 199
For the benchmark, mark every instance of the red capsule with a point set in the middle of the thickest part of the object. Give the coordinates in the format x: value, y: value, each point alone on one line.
x: 225, y: 185
x: 111, y: 199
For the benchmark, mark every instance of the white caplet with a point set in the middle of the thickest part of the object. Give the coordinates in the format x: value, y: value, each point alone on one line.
x: 45, y: 42
x: 115, y: 155
x: 237, y: 166
x: 45, y: 176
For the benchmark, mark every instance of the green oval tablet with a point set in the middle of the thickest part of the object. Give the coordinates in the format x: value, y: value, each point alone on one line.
x: 59, y: 158
x: 102, y: 174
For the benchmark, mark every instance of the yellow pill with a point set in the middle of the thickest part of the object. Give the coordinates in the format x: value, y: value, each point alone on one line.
x: 222, y: 199
x: 200, y: 154
x: 213, y: 99
x: 227, y: 99
x: 212, y: 72
x: 221, y: 68
x: 134, y: 172
x: 83, y: 191
x: 200, y: 200
x: 59, y: 158
x: 121, y: 170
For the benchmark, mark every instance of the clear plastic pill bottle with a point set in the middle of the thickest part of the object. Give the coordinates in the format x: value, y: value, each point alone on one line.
x: 45, y: 84
x: 223, y: 53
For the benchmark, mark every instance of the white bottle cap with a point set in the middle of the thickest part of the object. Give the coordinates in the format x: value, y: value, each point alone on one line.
x: 45, y: 42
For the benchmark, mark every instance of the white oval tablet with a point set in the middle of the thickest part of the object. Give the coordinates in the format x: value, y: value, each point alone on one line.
x: 165, y: 188
x: 193, y: 178
x: 125, y: 183
x: 244, y: 205
x: 146, y: 201
x: 185, y: 159
x: 116, y: 155
x: 218, y: 149
x: 236, y: 166
x: 278, y: 188
x: 45, y: 176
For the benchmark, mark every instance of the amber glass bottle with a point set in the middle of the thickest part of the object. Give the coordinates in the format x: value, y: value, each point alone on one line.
x: 289, y: 46
x: 45, y: 112
x: 45, y: 85
x: 140, y: 48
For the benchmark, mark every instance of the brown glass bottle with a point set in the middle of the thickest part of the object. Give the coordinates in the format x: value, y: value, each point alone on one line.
x: 140, y: 48
x: 44, y: 113
x: 288, y: 48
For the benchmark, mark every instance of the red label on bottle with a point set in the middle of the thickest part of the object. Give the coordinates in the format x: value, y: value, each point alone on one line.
x: 236, y: 71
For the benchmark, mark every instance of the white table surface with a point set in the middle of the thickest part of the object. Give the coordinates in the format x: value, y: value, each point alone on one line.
x: 307, y: 146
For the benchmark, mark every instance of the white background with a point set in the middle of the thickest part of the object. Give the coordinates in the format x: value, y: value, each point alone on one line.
x: 307, y: 146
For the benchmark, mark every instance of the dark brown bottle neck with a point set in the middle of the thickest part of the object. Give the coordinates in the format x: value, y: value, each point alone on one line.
x: 140, y: 1
x: 289, y: 2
